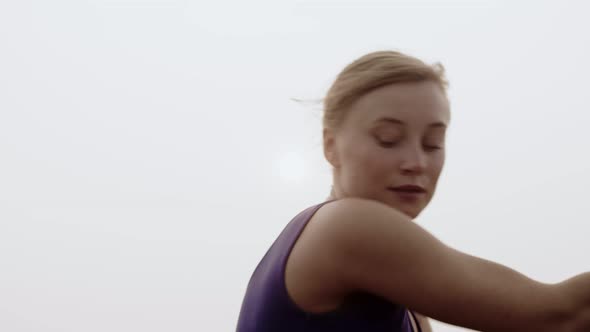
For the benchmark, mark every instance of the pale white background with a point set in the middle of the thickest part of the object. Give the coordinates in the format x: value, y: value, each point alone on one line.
x: 150, y: 151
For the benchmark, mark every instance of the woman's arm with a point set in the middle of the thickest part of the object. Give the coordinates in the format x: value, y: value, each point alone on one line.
x: 577, y: 290
x: 362, y: 245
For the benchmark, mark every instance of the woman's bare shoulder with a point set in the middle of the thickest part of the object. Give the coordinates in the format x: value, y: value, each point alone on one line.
x: 362, y: 245
x: 352, y: 214
x: 312, y: 270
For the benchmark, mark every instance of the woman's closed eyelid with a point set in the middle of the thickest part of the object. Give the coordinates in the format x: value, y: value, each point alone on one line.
x: 391, y: 144
x: 387, y: 143
x: 390, y: 139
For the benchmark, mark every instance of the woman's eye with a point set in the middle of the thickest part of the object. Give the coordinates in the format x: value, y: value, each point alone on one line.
x: 387, y: 144
x: 432, y: 147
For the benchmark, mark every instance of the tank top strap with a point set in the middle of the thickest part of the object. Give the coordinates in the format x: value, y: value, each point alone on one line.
x: 415, y: 320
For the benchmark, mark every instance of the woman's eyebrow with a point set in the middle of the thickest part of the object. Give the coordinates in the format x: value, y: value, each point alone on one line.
x: 400, y: 122
x: 391, y: 120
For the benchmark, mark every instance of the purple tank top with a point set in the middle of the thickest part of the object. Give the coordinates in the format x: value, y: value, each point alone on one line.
x: 267, y: 306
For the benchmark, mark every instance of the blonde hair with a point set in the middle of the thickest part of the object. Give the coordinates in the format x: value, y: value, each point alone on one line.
x: 370, y: 72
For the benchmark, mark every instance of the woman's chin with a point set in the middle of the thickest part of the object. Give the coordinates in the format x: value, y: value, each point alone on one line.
x: 410, y: 211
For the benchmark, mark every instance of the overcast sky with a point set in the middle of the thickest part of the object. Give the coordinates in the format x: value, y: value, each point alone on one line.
x: 150, y: 150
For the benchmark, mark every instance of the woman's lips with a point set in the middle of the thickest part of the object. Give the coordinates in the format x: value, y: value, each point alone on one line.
x: 409, y: 188
x: 406, y: 195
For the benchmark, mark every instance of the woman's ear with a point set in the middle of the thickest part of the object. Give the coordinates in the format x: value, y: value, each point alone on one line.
x: 330, y: 151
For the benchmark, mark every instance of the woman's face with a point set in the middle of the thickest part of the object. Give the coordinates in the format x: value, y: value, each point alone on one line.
x: 391, y: 146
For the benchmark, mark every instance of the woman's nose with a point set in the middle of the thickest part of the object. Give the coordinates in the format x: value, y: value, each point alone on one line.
x: 413, y: 161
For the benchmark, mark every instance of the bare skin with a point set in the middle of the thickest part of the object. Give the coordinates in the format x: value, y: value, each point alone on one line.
x: 366, y: 240
x: 424, y: 323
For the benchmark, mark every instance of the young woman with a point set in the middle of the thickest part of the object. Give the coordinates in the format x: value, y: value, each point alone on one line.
x: 357, y: 262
